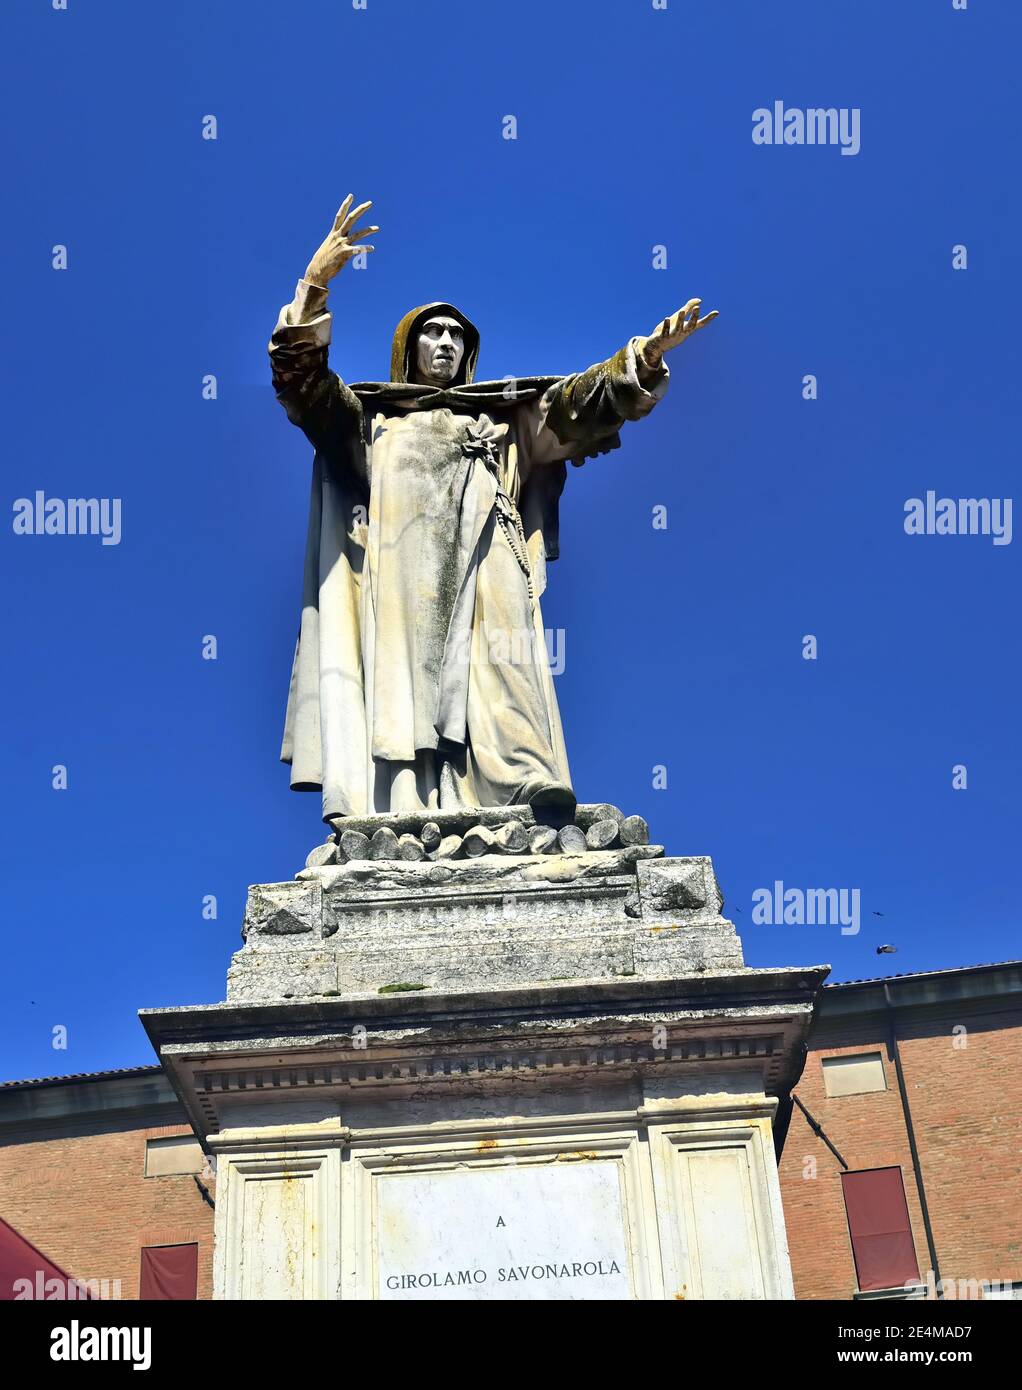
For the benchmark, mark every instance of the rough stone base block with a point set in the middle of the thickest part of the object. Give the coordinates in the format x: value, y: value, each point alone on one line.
x: 367, y: 927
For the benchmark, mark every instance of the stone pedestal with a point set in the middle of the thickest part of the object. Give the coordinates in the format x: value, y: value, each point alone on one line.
x: 513, y: 1076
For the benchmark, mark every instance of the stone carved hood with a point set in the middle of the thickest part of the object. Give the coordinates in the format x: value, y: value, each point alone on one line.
x: 465, y: 391
x: 405, y: 335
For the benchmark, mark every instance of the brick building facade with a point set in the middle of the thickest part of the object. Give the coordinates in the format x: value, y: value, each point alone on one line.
x: 99, y: 1172
x: 958, y: 1036
x: 91, y: 1174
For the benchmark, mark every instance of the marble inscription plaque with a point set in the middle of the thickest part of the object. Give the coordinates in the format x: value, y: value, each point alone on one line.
x: 536, y: 1231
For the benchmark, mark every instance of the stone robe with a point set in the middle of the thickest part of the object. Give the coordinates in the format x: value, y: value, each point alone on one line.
x: 421, y: 678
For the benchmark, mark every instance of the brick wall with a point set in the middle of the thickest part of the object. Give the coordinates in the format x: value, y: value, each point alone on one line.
x: 966, y: 1104
x: 85, y: 1201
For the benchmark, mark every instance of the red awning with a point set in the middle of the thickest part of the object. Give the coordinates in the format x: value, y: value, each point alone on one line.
x: 26, y: 1272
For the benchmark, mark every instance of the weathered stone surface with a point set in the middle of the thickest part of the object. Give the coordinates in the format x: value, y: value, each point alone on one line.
x: 602, y: 834
x: 287, y: 974
x: 512, y: 837
x: 454, y: 822
x: 588, y: 815
x: 490, y: 921
x: 457, y: 822
x: 430, y: 836
x: 680, y: 948
x: 479, y: 840
x: 354, y: 845
x: 361, y: 877
x: 679, y: 886
x: 634, y: 831
x: 383, y: 845
x: 571, y: 839
x: 450, y: 847
x: 632, y: 853
x: 543, y: 840
x: 322, y: 855
x: 410, y: 847
x: 566, y: 953
x: 281, y: 909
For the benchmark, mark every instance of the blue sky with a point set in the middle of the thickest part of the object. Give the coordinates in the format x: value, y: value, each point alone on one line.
x: 683, y: 646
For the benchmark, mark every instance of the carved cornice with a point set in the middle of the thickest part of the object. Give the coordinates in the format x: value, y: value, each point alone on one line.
x: 212, y: 1085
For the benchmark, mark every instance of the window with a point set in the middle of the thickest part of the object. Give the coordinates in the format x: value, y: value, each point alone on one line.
x: 180, y: 1154
x: 885, y: 1256
x: 854, y: 1075
x: 169, y: 1272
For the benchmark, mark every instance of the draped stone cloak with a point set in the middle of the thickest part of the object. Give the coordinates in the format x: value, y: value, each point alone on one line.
x: 421, y: 678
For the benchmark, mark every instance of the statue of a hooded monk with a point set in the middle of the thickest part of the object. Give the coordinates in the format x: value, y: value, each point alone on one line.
x: 421, y: 679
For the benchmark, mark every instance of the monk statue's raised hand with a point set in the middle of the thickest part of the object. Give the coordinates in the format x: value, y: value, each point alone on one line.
x: 343, y: 243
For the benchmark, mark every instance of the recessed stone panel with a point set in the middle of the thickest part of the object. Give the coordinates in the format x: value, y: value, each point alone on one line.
x: 542, y: 1231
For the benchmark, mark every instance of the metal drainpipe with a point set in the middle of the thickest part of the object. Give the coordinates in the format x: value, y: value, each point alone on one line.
x: 916, y: 1165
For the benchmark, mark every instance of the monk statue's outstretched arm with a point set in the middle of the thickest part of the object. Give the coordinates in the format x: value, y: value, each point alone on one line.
x: 313, y: 396
x: 583, y: 413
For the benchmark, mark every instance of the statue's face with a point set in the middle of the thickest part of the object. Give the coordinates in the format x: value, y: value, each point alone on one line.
x: 439, y: 350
